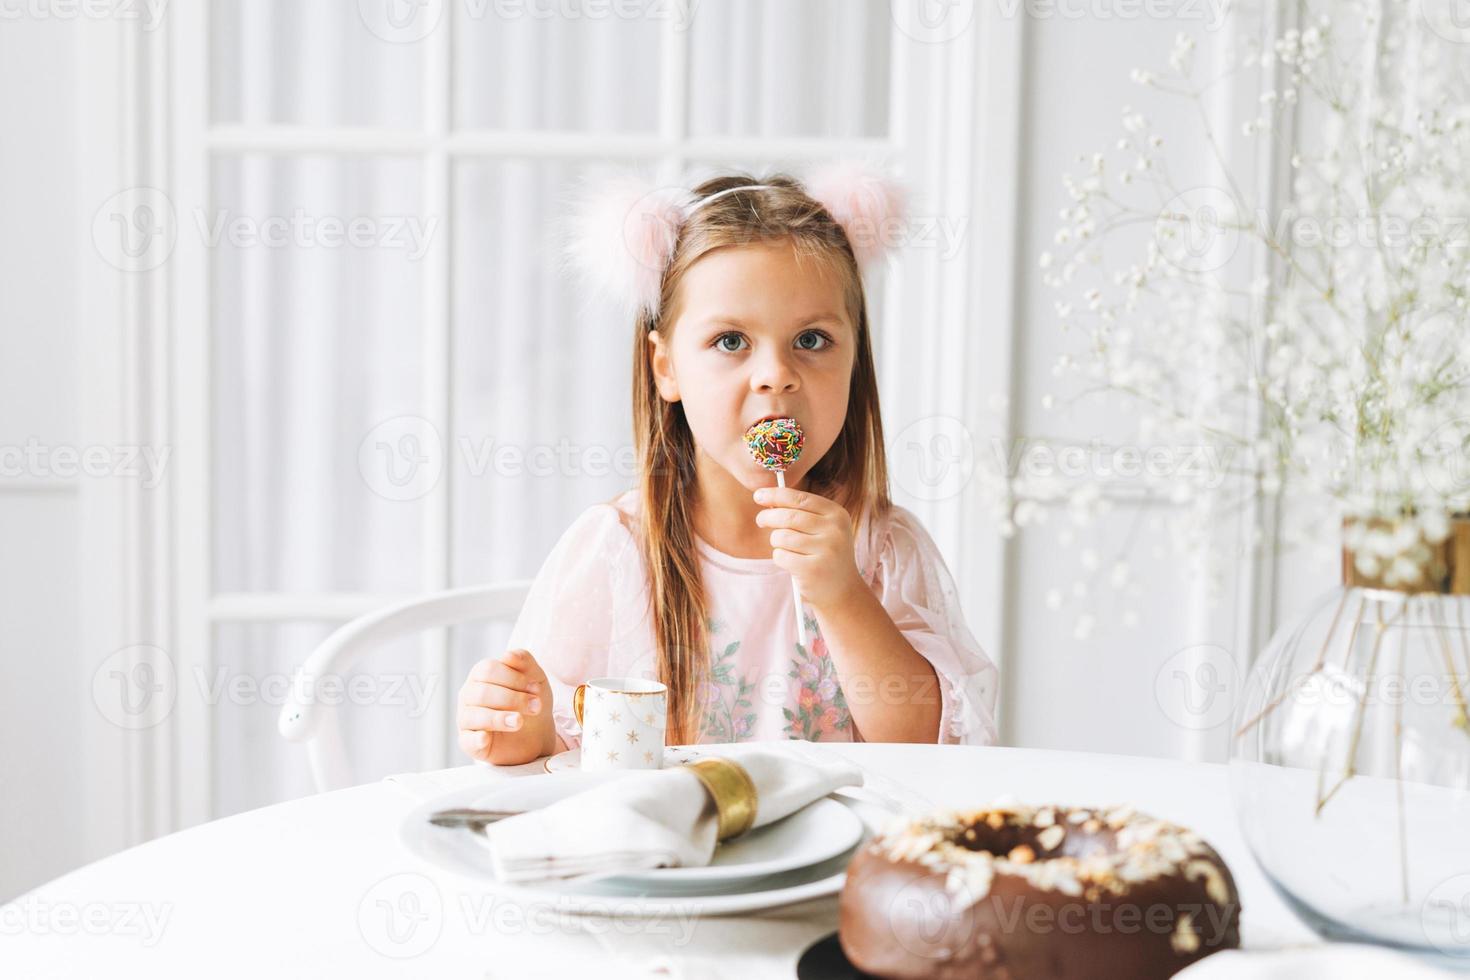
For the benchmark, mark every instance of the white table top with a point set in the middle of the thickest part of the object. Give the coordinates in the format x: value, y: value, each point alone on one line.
x: 306, y: 888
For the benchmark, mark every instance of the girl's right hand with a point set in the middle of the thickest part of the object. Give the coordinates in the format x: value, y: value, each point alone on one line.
x: 505, y: 710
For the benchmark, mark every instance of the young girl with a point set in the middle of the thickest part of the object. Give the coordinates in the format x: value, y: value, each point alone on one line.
x: 748, y: 303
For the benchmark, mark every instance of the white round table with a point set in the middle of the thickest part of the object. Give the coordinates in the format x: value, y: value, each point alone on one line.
x: 321, y: 886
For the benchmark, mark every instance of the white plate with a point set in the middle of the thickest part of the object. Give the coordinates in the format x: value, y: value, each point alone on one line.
x: 674, y: 755
x: 454, y: 850
x: 816, y: 832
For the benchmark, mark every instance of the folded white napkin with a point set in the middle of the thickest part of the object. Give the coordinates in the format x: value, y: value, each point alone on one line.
x: 1340, y: 961
x: 661, y: 818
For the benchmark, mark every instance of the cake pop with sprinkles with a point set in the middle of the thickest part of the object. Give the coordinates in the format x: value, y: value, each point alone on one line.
x: 776, y: 444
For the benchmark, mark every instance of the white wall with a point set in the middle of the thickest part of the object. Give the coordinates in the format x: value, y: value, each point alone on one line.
x: 1059, y: 691
x: 1137, y: 689
x: 41, y: 807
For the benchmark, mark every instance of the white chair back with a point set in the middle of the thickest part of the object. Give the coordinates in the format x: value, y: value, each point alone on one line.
x: 305, y: 719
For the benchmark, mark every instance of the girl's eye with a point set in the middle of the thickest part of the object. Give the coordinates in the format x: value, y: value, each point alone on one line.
x: 813, y: 340
x: 720, y: 342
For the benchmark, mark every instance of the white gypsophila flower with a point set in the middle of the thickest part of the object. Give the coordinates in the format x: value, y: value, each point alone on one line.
x: 1340, y: 379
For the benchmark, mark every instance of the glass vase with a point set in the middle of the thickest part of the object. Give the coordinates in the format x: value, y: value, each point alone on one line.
x: 1350, y: 765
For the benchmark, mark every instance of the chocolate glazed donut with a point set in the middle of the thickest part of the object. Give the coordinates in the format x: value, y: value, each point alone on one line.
x: 1026, y: 893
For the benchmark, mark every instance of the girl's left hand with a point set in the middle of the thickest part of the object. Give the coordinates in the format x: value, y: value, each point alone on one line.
x: 812, y: 540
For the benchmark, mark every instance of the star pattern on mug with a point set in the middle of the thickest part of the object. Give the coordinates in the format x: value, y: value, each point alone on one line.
x: 635, y: 729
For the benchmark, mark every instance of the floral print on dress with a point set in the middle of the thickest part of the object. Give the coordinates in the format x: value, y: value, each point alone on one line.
x: 729, y: 715
x: 820, y: 709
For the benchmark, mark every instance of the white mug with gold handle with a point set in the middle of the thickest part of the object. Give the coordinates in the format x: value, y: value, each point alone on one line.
x: 623, y: 720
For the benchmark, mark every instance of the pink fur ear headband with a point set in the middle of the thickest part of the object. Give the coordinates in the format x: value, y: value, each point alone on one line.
x: 623, y: 233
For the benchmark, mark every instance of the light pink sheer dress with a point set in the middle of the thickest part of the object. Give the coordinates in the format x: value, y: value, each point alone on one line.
x: 588, y: 616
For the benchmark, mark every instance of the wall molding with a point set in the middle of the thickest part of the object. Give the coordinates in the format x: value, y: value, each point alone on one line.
x: 184, y: 102
x: 997, y: 135
x: 125, y: 528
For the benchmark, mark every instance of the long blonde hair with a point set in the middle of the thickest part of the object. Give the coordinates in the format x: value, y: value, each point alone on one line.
x: 854, y: 471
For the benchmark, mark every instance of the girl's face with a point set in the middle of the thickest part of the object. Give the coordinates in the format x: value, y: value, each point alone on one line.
x: 757, y: 336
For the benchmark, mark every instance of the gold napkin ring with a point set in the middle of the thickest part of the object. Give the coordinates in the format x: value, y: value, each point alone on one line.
x: 733, y: 791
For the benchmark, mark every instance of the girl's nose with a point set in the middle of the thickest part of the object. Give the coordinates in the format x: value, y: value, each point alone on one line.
x: 774, y: 373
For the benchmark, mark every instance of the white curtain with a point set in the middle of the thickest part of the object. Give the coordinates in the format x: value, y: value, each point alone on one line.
x: 315, y: 346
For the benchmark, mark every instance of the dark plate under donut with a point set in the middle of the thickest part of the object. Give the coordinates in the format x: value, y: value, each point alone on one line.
x: 824, y: 960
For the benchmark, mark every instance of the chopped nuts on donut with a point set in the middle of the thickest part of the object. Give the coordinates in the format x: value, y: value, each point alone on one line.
x: 1051, y: 837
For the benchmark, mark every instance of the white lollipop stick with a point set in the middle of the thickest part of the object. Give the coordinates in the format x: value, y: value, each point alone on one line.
x: 795, y: 591
x: 776, y: 443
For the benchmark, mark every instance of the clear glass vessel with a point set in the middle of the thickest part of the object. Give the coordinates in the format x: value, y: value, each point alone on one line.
x: 1350, y: 765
